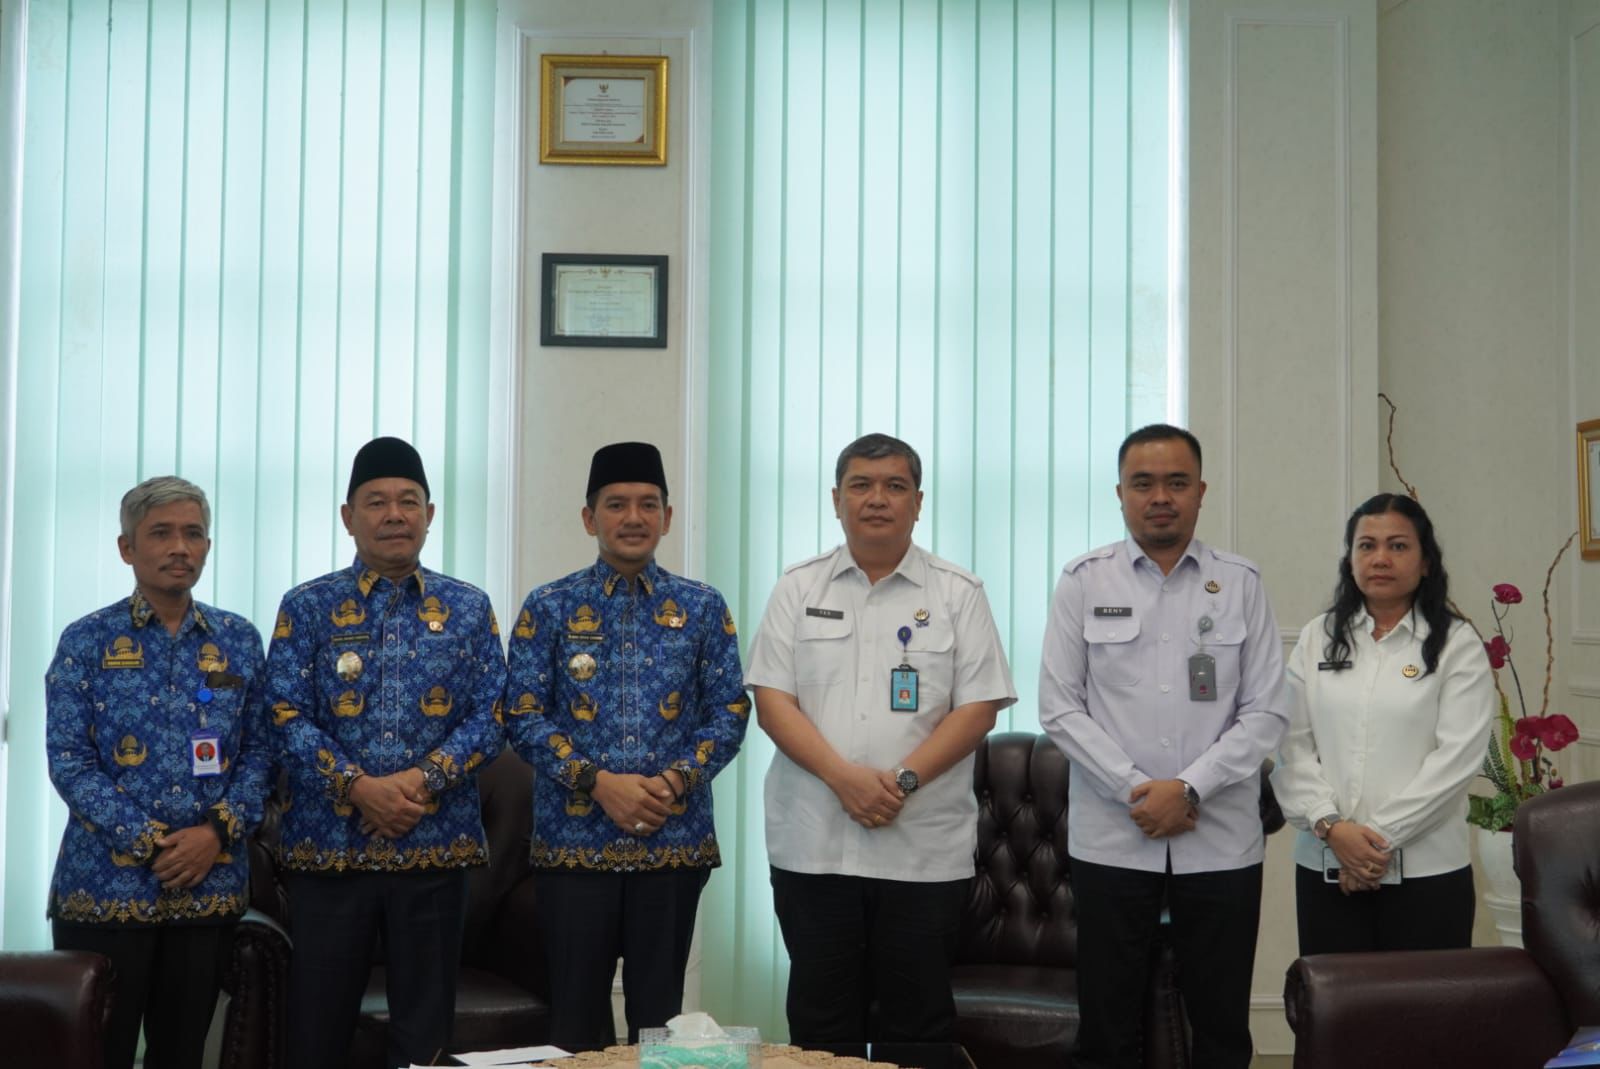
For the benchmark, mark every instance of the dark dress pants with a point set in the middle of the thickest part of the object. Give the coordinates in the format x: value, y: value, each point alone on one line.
x: 854, y: 941
x: 334, y: 921
x: 1214, y: 917
x: 1424, y: 913
x: 167, y: 976
x: 587, y: 920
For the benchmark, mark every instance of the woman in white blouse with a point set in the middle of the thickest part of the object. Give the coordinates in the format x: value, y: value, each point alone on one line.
x: 1390, y: 702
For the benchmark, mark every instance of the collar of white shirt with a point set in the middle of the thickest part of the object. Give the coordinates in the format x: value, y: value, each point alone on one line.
x: 912, y: 567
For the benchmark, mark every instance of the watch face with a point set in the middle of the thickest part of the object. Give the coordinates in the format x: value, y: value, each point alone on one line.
x: 907, y: 780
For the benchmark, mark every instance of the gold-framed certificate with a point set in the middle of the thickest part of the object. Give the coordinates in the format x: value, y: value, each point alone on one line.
x: 603, y: 109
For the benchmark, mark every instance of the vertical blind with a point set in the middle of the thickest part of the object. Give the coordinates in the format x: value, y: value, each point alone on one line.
x: 946, y: 220
x: 254, y: 235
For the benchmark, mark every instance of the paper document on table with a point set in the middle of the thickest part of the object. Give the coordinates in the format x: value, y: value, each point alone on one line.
x: 512, y: 1056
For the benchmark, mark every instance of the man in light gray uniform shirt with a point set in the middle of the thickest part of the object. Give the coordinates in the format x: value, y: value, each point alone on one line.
x: 1161, y: 680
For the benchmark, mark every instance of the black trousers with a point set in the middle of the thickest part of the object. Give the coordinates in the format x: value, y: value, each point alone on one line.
x: 587, y: 921
x: 1214, y: 920
x: 167, y: 976
x: 334, y: 921
x: 855, y: 941
x: 1421, y: 913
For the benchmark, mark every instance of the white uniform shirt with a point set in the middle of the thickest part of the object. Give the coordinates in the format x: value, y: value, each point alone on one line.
x: 1389, y: 750
x: 1114, y: 694
x: 829, y: 639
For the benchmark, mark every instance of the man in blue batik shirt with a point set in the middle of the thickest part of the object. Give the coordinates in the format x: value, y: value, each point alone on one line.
x: 384, y: 679
x: 627, y: 695
x: 157, y: 743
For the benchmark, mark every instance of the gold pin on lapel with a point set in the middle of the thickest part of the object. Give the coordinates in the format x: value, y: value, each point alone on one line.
x: 1411, y: 671
x: 1212, y: 586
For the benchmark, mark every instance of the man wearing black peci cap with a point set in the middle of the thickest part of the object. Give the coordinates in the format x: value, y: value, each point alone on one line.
x: 384, y: 678
x: 626, y: 694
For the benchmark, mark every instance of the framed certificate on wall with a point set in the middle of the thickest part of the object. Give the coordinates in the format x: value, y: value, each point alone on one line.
x: 603, y: 300
x: 603, y: 109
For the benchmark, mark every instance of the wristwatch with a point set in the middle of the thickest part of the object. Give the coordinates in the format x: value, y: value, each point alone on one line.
x: 583, y: 781
x: 1190, y: 795
x: 1324, y: 825
x: 906, y: 780
x: 433, y: 777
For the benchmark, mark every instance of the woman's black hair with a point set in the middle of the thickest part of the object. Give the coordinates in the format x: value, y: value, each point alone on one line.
x: 1431, y: 598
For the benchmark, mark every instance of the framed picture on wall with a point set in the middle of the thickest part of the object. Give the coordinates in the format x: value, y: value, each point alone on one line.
x: 603, y: 109
x: 1589, y: 488
x: 603, y: 300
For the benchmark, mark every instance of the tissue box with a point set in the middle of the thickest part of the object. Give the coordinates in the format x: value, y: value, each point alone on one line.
x: 741, y: 1049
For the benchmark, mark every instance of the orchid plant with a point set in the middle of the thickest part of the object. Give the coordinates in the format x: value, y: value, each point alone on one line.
x: 1518, y: 761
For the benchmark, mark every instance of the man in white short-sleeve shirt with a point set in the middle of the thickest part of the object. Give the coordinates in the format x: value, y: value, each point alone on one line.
x: 877, y: 670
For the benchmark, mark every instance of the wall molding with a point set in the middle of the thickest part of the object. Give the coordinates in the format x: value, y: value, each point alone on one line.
x: 1233, y: 23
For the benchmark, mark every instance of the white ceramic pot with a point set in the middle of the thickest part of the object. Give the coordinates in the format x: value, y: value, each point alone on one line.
x: 1502, y: 891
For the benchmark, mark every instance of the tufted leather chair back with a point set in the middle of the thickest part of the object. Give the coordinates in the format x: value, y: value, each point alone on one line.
x: 1554, y: 843
x: 1020, y: 909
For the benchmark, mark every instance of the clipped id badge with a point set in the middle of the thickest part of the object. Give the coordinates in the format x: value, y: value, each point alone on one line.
x: 205, y: 752
x: 903, y: 689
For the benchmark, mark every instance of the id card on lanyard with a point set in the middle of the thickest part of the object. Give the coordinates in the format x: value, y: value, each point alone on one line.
x: 903, y: 679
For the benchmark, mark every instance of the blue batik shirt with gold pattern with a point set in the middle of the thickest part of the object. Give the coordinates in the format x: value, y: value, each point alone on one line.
x: 627, y: 677
x: 123, y: 701
x: 371, y: 676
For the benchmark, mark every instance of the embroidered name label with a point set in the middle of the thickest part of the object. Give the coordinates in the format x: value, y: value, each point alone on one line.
x: 352, y: 639
x: 1113, y: 610
x: 826, y: 614
x: 1333, y: 666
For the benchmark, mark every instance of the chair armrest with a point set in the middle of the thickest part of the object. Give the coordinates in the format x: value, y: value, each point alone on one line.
x: 1484, y: 1006
x: 257, y: 981
x: 54, y: 1006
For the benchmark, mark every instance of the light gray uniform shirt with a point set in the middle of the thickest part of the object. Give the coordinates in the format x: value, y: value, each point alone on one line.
x: 1115, y: 694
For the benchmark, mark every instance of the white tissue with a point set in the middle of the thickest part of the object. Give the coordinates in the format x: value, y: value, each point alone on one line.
x: 695, y: 1026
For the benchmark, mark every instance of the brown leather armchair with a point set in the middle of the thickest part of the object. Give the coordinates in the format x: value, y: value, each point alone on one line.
x: 502, y: 995
x: 53, y: 1009
x: 1015, y: 977
x: 1502, y: 1006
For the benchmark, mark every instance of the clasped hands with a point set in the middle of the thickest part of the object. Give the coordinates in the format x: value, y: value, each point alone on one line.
x: 390, y: 805
x: 637, y: 804
x: 1362, y: 853
x: 870, y: 796
x: 184, y: 857
x: 1160, y: 810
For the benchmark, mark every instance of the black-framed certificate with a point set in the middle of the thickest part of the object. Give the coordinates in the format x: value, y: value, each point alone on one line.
x: 603, y: 300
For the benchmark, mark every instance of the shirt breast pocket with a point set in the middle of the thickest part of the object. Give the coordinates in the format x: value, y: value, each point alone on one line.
x: 1113, y: 650
x: 821, y: 650
x: 931, y: 652
x: 1225, y: 643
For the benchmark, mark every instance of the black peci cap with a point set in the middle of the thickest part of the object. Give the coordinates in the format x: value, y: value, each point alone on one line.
x: 386, y: 458
x: 626, y: 462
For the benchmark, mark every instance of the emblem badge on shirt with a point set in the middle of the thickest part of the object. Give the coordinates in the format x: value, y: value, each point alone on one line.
x: 826, y: 614
x: 669, y: 615
x: 130, y: 752
x: 436, y: 702
x: 581, y: 667
x: 1212, y: 586
x: 433, y: 613
x: 1411, y: 671
x: 211, y: 659
x: 123, y: 652
x: 921, y: 617
x: 349, y: 613
x: 584, y: 625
